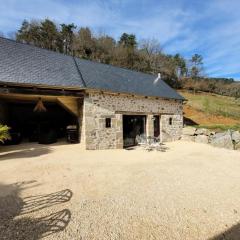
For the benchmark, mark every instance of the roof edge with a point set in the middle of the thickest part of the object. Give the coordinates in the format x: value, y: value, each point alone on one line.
x: 25, y: 85
x: 132, y: 94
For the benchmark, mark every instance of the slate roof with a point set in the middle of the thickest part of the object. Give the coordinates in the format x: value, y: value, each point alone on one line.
x: 25, y: 64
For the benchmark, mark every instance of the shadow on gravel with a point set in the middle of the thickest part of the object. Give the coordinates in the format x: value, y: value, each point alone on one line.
x: 232, y: 233
x: 26, y: 153
x: 13, y: 223
x: 149, y: 148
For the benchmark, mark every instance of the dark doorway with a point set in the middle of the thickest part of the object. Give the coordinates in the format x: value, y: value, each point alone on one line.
x: 133, y: 126
x: 156, y: 126
x: 42, y: 127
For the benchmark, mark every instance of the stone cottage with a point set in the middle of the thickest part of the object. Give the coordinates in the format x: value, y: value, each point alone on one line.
x: 110, y: 106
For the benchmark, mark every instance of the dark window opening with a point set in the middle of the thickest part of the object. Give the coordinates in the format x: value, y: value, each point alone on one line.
x: 108, y: 122
x: 133, y: 126
x: 156, y: 125
x: 170, y: 121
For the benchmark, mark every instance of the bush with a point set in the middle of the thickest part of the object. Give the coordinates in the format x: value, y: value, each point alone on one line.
x: 4, y: 133
x: 222, y: 86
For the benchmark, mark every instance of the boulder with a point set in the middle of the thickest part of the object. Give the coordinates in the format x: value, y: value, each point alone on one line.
x: 189, y: 131
x: 202, y: 131
x: 236, y: 139
x: 236, y: 136
x: 222, y: 140
x: 188, y: 138
x: 201, y: 139
x: 237, y: 146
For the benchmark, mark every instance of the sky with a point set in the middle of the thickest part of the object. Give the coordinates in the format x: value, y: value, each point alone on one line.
x: 207, y: 27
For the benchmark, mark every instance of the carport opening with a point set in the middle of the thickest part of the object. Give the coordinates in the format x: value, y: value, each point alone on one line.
x: 33, y: 126
x: 133, y: 126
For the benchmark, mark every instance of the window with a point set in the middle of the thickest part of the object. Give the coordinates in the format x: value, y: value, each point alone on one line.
x: 170, y: 121
x: 108, y: 122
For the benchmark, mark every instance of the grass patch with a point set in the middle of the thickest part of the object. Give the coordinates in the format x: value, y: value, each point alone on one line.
x: 214, y: 104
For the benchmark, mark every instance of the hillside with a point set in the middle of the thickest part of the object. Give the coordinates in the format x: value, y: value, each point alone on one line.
x: 211, y: 110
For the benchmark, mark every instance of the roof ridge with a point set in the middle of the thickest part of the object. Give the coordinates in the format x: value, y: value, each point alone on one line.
x: 79, y: 72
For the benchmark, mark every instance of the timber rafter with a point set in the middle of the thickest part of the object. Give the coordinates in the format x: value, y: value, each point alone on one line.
x: 6, y: 89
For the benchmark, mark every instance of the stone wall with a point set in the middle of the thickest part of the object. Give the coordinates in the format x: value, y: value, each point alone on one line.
x: 99, y: 106
x: 171, y: 132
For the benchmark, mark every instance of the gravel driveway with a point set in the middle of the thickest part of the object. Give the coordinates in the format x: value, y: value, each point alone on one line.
x: 191, y: 191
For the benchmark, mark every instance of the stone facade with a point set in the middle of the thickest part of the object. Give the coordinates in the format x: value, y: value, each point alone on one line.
x: 99, y: 106
x: 171, y: 132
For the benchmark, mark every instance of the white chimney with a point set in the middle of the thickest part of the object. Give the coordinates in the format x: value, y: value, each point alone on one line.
x: 157, y: 79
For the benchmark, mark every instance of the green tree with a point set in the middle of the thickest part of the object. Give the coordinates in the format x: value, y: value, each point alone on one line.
x: 30, y: 32
x: 197, y: 65
x: 127, y: 46
x: 66, y: 39
x: 23, y: 32
x: 43, y: 34
x: 128, y: 40
x: 181, y: 67
x: 49, y: 34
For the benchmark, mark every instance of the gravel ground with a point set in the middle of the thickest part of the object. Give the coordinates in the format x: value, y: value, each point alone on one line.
x: 191, y: 191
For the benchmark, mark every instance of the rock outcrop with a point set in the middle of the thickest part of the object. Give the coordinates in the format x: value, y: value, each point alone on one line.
x: 202, y: 139
x: 203, y: 131
x: 223, y: 140
x: 236, y: 136
x: 229, y: 139
x: 188, y: 131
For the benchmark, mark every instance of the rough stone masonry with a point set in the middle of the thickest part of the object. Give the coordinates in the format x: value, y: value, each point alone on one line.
x: 229, y: 139
x: 99, y: 106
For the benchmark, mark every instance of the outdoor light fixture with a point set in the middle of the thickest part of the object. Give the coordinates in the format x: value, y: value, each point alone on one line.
x: 39, y: 106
